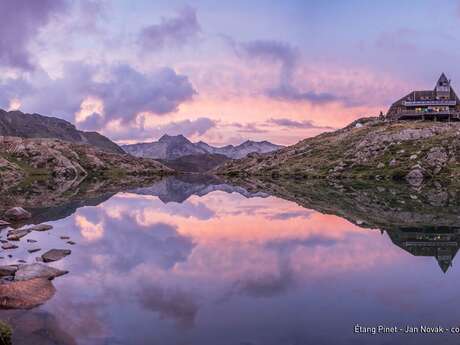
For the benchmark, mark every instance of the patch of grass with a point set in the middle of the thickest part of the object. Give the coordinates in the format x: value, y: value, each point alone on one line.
x: 5, y: 333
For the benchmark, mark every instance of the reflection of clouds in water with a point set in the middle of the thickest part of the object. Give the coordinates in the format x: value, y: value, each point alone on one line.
x: 289, y: 244
x: 170, y: 303
x: 38, y: 327
x: 291, y: 214
x: 266, y: 284
x: 89, y: 230
x: 174, y: 261
x: 128, y: 243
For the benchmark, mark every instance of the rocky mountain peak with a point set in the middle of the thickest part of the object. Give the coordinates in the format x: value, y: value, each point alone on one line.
x: 176, y: 139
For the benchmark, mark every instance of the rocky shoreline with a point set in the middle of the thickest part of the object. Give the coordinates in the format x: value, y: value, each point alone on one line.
x: 23, y: 161
x: 26, y: 285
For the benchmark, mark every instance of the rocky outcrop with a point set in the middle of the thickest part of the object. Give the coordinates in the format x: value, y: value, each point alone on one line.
x: 372, y: 149
x: 66, y: 163
x: 18, y: 124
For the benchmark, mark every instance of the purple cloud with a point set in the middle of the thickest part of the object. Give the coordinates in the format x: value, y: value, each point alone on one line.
x: 273, y: 52
x: 287, y: 57
x: 174, y: 31
x: 20, y: 22
x: 124, y: 91
x: 283, y: 122
x: 290, y: 93
x: 187, y: 128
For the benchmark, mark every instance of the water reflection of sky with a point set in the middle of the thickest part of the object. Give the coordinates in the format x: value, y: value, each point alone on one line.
x: 225, y: 269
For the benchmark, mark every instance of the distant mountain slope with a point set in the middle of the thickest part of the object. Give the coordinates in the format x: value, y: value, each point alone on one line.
x: 173, y: 147
x: 18, y: 124
x: 195, y: 163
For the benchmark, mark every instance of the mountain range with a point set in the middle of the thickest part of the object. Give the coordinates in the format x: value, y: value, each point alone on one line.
x: 174, y: 147
x: 19, y: 124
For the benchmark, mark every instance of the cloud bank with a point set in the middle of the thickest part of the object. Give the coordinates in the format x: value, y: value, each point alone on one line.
x: 123, y: 91
x: 21, y: 21
x: 175, y: 31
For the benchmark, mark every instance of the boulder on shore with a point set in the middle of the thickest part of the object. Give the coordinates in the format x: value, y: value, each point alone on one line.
x: 17, y: 213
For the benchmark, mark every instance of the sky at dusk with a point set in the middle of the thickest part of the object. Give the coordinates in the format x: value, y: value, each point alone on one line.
x: 221, y: 71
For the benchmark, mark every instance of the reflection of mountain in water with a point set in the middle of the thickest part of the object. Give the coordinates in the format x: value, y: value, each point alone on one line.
x: 423, y: 221
x: 47, y: 203
x: 180, y: 188
x: 439, y: 242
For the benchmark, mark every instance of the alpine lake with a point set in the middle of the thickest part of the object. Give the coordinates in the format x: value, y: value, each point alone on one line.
x: 196, y: 260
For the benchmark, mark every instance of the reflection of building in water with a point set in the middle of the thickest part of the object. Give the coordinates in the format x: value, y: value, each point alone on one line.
x: 440, y: 242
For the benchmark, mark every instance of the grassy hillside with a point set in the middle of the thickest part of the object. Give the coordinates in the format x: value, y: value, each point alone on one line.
x: 366, y: 149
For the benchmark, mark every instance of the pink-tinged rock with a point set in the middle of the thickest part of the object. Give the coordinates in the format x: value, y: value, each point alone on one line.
x: 8, y: 246
x: 16, y: 235
x: 3, y: 223
x: 26, y: 294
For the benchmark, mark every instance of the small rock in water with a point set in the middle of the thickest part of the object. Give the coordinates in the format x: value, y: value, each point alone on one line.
x: 31, y: 241
x: 40, y: 227
x: 16, y: 235
x: 6, y: 279
x: 7, y: 246
x: 71, y: 242
x: 415, y: 177
x: 26, y: 272
x: 22, y: 261
x: 55, y: 254
x: 33, y: 250
x: 65, y: 238
x: 8, y: 270
x: 17, y: 213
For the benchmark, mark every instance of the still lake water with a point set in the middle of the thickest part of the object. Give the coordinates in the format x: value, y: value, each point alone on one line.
x: 219, y: 265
